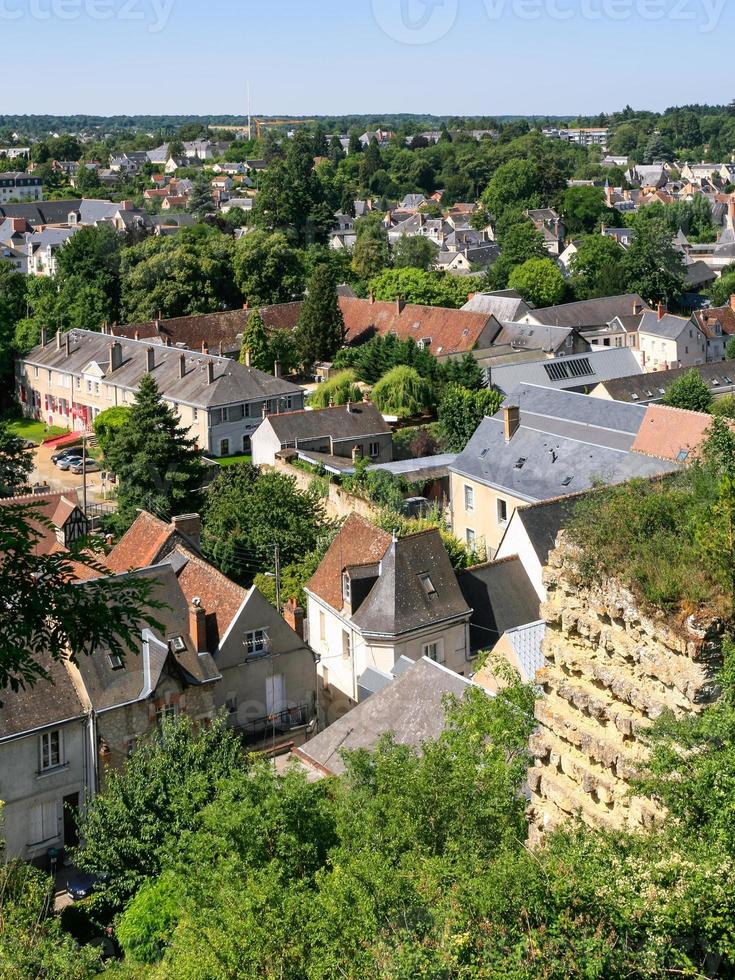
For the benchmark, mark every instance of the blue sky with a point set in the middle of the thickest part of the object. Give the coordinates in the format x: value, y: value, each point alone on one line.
x: 484, y: 57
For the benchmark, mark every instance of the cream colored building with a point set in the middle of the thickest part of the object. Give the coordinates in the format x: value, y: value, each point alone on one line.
x: 666, y: 341
x: 70, y: 379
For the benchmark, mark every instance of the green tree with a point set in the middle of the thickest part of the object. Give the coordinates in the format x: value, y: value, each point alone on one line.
x: 246, y: 513
x: 724, y: 288
x: 730, y: 348
x: 338, y: 390
x: 539, y: 281
x: 403, y: 392
x: 321, y: 328
x: 91, y: 258
x: 689, y: 391
x: 267, y: 269
x: 597, y: 268
x: 417, y: 286
x: 107, y: 423
x: 200, y: 201
x: 254, y: 347
x: 157, y: 465
x: 653, y: 267
x: 158, y: 796
x: 371, y: 253
x: 461, y: 411
x: 16, y: 463
x: 12, y: 310
x: 514, y: 185
x: 414, y: 252
x: 583, y: 209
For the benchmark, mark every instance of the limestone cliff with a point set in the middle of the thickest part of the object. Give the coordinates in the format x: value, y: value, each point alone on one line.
x: 611, y: 669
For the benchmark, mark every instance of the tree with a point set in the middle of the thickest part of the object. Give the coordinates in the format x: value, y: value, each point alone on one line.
x: 254, y: 348
x: 246, y: 513
x: 158, y: 466
x: 724, y: 407
x: 321, y: 328
x: 730, y: 348
x: 414, y: 252
x: 371, y: 253
x: 107, y: 423
x: 91, y: 259
x: 689, y: 391
x: 723, y: 288
x: 461, y: 411
x: 338, y: 390
x: 515, y: 185
x: 267, y: 269
x: 63, y: 616
x: 153, y: 801
x: 200, y: 201
x: 417, y: 286
x: 539, y: 281
x: 597, y: 268
x: 12, y: 309
x: 583, y: 209
x: 403, y: 392
x: 16, y: 463
x: 653, y: 267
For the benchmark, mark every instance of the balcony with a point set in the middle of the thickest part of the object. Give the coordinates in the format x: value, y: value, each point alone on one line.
x: 271, y: 726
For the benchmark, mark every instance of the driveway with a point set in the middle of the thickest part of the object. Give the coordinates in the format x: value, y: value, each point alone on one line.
x: 47, y: 473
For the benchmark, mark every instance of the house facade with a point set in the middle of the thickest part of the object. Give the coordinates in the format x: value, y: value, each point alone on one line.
x: 71, y: 379
x: 666, y: 341
x: 18, y: 186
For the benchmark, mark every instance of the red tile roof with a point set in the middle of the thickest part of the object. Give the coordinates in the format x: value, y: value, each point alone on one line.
x: 706, y: 319
x: 358, y: 543
x: 140, y: 545
x: 451, y: 331
x: 54, y: 507
x: 669, y: 432
x: 220, y: 598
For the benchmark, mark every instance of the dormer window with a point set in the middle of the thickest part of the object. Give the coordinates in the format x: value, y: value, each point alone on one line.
x: 177, y: 644
x: 346, y: 587
x: 115, y: 661
x: 428, y: 585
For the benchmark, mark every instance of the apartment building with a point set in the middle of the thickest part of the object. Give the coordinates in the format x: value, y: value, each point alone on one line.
x: 70, y: 379
x: 17, y: 186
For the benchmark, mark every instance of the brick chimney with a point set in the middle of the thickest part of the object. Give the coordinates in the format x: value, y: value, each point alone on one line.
x: 210, y: 372
x: 205, y: 348
x: 294, y: 616
x: 182, y: 365
x: 661, y: 311
x: 198, y: 625
x: 190, y: 525
x: 511, y: 420
x: 400, y: 304
x: 115, y: 358
x: 150, y: 359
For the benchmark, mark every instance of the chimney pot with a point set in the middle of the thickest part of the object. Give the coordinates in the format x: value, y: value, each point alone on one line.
x: 294, y: 617
x: 182, y: 365
x: 150, y: 359
x: 276, y: 369
x: 198, y: 626
x: 210, y: 372
x: 511, y: 420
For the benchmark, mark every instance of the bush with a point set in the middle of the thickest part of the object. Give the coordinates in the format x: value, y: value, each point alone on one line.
x: 404, y: 393
x: 147, y: 923
x: 338, y: 390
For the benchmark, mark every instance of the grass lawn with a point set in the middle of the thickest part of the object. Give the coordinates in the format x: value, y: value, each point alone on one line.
x: 232, y: 460
x: 34, y: 430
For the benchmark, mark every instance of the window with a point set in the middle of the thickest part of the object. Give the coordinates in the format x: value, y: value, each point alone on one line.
x: 428, y: 585
x: 195, y: 414
x: 115, y: 661
x: 35, y: 371
x: 231, y: 704
x: 43, y: 823
x: 247, y: 446
x: 470, y: 537
x: 89, y: 386
x: 469, y: 498
x: 374, y: 449
x: 322, y: 627
x: 178, y: 644
x: 346, y: 645
x: 346, y: 587
x: 51, y: 750
x: 224, y: 447
x: 166, y: 712
x: 502, y: 511
x: 434, y: 651
x: 256, y: 643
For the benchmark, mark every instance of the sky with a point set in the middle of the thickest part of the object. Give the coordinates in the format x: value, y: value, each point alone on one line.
x: 333, y: 57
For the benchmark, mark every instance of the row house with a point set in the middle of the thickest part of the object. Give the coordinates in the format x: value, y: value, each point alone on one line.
x: 18, y: 186
x: 69, y: 380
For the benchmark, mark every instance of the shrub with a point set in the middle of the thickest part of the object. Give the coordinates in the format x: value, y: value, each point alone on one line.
x: 404, y: 393
x: 338, y: 390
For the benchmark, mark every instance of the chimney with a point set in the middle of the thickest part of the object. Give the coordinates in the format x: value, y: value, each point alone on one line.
x: 371, y: 297
x: 248, y: 359
x: 294, y: 616
x: 349, y: 407
x: 44, y: 336
x: 182, y: 365
x: 136, y: 335
x: 276, y: 369
x: 150, y: 359
x: 157, y: 325
x: 265, y: 410
x: 637, y: 308
x: 198, y: 625
x: 400, y: 304
x: 58, y: 340
x: 511, y: 420
x: 220, y: 348
x: 661, y: 311
x: 210, y: 372
x: 190, y: 525
x: 67, y: 342
x: 115, y: 360
x: 205, y: 348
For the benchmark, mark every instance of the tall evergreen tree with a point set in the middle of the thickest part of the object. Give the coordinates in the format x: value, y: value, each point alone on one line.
x: 200, y: 199
x: 157, y: 465
x: 321, y: 328
x: 255, y: 344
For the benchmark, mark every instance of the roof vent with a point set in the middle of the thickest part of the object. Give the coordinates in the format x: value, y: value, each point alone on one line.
x: 520, y: 463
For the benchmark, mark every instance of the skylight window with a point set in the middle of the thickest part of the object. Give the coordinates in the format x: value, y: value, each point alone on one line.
x: 683, y: 456
x: 520, y: 463
x: 567, y: 481
x: 428, y: 585
x: 115, y: 660
x: 484, y: 452
x: 177, y: 644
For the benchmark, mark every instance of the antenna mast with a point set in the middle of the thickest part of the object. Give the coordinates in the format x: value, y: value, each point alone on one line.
x: 250, y: 133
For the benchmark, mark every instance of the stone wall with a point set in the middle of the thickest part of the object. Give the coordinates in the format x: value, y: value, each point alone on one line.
x: 338, y: 503
x: 611, y: 669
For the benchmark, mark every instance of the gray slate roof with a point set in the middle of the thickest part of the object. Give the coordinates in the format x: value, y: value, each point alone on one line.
x: 580, y: 371
x: 360, y: 420
x: 532, y: 336
x: 501, y: 596
x: 588, y: 312
x: 652, y: 387
x: 411, y: 707
x: 565, y: 443
x: 398, y: 601
x: 506, y: 305
x: 47, y: 703
x: 669, y: 326
x: 232, y: 383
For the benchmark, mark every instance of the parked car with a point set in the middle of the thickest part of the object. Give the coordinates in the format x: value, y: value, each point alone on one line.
x: 69, y: 461
x: 78, y: 467
x: 80, y: 885
x: 65, y: 453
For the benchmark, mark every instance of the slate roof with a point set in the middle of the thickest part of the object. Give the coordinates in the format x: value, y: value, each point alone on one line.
x: 668, y: 327
x: 358, y: 542
x: 399, y: 602
x: 451, y: 331
x: 506, y: 305
x: 109, y: 688
x: 565, y: 442
x: 232, y: 383
x: 42, y: 212
x: 542, y: 522
x: 652, y: 387
x: 574, y: 371
x: 588, y: 312
x: 501, y: 597
x: 212, y: 329
x: 362, y: 419
x: 411, y: 707
x: 46, y: 703
x: 532, y: 336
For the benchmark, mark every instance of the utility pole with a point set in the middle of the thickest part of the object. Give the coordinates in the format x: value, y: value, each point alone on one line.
x: 277, y: 570
x: 84, y: 473
x: 250, y: 131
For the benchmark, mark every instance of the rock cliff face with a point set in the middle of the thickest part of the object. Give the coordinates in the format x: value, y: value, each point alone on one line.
x: 611, y: 669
